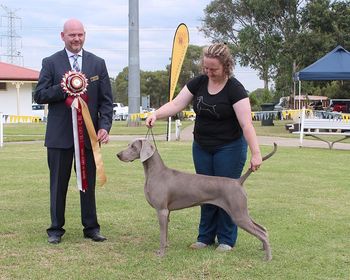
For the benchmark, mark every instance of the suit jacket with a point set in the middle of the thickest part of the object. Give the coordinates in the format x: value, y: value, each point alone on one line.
x: 59, y: 131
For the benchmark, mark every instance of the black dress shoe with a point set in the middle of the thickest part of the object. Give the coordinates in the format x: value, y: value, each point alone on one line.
x: 97, y: 237
x: 54, y: 239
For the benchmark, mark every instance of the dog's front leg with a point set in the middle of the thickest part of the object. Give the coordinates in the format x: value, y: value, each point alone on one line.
x: 163, y: 218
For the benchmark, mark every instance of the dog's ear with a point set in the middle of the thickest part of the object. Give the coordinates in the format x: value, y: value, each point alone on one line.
x: 147, y: 150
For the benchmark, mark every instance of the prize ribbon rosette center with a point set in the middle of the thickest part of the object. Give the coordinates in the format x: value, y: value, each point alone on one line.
x: 74, y: 83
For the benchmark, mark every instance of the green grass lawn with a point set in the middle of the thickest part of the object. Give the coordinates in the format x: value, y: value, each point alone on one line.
x: 302, y: 196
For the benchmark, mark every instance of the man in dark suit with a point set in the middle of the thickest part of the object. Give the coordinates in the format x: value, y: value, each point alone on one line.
x: 59, y: 133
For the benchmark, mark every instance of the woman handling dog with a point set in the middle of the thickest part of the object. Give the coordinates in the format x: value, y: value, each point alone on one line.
x: 223, y: 129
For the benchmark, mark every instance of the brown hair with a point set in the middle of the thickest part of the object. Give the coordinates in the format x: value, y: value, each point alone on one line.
x: 222, y: 53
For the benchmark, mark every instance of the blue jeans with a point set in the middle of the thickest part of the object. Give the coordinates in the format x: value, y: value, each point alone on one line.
x: 224, y: 161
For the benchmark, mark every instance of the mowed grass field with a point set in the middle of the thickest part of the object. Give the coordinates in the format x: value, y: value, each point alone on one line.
x: 302, y: 196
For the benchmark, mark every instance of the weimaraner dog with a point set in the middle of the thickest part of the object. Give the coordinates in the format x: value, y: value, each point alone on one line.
x: 168, y: 189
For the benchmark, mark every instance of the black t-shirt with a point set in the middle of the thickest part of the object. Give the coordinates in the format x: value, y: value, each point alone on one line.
x: 216, y: 122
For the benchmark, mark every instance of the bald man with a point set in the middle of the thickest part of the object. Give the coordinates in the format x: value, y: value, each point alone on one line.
x: 59, y: 132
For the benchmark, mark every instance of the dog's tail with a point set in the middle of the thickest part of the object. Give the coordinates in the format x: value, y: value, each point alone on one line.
x: 249, y: 171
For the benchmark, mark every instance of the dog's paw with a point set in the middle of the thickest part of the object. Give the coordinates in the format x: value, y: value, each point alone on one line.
x: 160, y: 253
x: 267, y: 258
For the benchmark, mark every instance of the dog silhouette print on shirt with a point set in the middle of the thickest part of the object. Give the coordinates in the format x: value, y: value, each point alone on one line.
x: 202, y: 106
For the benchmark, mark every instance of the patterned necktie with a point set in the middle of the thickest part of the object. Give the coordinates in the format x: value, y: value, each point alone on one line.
x: 75, y: 63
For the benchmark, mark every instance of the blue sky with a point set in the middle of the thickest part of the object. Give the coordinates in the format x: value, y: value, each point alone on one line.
x: 106, y: 23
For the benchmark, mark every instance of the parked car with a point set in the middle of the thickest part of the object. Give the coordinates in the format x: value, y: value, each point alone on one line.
x: 38, y: 110
x: 340, y: 105
x: 120, y: 112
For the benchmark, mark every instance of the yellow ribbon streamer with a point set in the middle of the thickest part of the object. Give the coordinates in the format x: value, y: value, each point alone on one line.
x: 94, y: 142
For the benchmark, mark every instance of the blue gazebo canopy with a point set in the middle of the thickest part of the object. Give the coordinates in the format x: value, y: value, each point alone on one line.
x: 335, y: 65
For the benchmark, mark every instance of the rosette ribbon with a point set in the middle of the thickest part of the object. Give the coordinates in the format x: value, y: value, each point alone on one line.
x: 75, y: 85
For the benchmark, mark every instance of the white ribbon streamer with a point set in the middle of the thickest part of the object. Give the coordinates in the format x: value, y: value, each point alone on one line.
x: 74, y: 107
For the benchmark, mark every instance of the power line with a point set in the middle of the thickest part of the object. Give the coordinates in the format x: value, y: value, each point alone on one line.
x: 109, y: 28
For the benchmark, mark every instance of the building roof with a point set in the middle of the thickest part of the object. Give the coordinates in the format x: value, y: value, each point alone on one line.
x: 11, y: 72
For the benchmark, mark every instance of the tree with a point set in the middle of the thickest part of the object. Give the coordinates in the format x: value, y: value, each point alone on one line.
x: 114, y: 88
x: 121, y: 85
x: 254, y: 29
x: 287, y: 23
x: 155, y: 85
x: 316, y: 33
x: 258, y: 97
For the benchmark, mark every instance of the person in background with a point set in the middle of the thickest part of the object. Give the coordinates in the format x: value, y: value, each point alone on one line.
x: 222, y: 131
x: 59, y: 133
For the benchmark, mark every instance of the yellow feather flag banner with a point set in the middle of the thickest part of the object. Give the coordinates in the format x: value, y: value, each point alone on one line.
x: 180, y: 45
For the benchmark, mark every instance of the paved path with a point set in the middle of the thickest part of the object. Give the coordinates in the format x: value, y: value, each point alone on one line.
x: 186, y: 135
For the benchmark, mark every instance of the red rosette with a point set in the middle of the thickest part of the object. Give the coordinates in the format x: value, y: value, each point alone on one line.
x: 74, y: 83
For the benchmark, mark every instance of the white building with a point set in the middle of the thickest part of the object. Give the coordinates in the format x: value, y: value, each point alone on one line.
x: 16, y: 87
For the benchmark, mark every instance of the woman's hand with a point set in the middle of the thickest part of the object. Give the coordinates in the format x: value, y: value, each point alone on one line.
x: 255, y: 161
x: 151, y: 120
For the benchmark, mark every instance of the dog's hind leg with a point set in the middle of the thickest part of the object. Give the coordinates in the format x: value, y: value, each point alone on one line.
x: 258, y: 231
x: 163, y: 218
x: 263, y: 229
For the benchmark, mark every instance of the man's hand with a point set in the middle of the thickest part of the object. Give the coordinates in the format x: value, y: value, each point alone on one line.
x: 102, y: 136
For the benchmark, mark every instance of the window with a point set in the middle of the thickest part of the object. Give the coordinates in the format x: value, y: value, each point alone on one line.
x: 3, y: 86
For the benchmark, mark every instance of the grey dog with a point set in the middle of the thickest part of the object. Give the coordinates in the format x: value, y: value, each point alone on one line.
x: 168, y: 189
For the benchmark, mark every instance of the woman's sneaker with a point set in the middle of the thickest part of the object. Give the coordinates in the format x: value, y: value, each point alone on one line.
x: 198, y: 245
x: 224, y: 248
